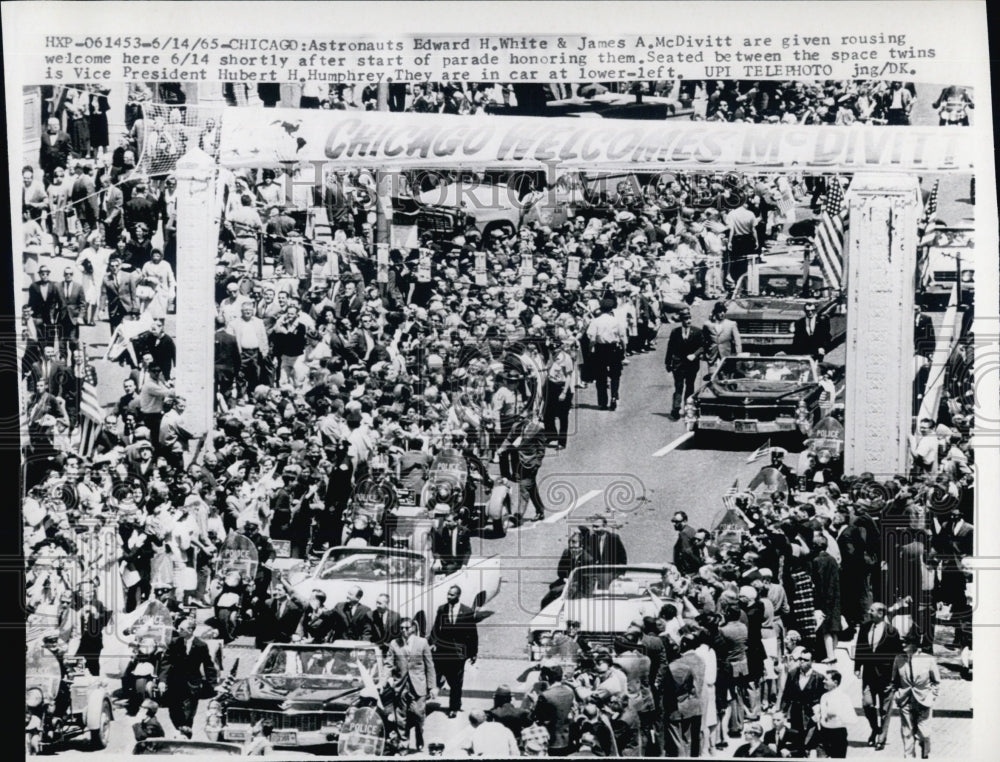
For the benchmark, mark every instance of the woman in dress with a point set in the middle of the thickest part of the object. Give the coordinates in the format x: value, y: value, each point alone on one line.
x: 99, y: 120
x: 58, y: 207
x: 159, y: 271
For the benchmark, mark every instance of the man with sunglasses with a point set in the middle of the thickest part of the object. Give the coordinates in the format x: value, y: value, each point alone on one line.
x: 413, y: 667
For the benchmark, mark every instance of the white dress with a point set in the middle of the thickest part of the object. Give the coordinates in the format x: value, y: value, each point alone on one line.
x: 709, y: 719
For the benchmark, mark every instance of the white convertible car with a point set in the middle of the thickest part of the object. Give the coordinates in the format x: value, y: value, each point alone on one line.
x: 414, y: 588
x: 603, y: 599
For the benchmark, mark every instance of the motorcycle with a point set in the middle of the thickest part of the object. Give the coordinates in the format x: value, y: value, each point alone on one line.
x: 235, y: 569
x: 150, y: 634
x: 452, y: 490
x: 60, y: 707
x: 376, y: 497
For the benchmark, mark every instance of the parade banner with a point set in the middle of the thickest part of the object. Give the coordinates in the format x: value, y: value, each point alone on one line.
x: 263, y: 137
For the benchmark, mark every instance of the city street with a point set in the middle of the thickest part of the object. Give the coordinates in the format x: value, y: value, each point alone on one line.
x: 636, y: 467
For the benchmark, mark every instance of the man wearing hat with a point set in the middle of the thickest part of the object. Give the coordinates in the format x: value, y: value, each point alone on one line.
x: 916, y: 681
x: 683, y: 360
x: 513, y: 718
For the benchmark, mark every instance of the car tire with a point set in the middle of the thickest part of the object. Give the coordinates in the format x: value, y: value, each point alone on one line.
x: 101, y: 737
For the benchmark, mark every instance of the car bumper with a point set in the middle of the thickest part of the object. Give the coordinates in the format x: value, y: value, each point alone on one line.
x: 714, y: 423
x: 281, y: 738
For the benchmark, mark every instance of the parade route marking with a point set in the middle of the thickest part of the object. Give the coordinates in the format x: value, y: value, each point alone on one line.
x: 676, y: 443
x: 585, y: 498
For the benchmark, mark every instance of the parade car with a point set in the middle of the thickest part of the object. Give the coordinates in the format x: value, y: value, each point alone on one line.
x: 766, y: 304
x: 306, y: 690
x: 63, y: 703
x: 604, y: 600
x: 947, y: 255
x: 492, y: 207
x: 750, y: 394
x: 186, y: 748
x: 407, y: 576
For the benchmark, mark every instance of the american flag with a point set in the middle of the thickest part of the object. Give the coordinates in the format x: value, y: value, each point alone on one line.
x: 729, y: 497
x: 830, y: 233
x: 91, y: 413
x: 931, y: 208
x: 760, y: 452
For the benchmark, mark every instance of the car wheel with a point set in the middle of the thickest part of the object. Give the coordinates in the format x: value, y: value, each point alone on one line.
x: 101, y: 737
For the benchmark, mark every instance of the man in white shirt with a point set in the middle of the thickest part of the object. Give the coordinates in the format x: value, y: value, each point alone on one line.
x: 607, y: 348
x: 924, y: 448
x: 489, y: 739
x: 251, y: 337
x: 836, y: 715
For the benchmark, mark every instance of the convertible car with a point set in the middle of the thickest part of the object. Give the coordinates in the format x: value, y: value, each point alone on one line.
x: 409, y: 578
x: 749, y: 394
x: 305, y: 690
x: 603, y: 599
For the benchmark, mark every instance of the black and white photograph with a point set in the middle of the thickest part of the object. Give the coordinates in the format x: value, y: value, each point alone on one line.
x: 623, y: 416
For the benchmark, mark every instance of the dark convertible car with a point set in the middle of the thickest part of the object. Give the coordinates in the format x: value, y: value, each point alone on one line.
x: 749, y: 394
x: 305, y: 690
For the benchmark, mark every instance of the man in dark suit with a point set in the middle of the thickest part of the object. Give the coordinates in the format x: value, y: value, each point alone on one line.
x: 55, y: 149
x: 352, y: 620
x: 681, y: 683
x: 317, y: 620
x: 803, y: 690
x: 227, y: 357
x: 46, y: 306
x: 451, y: 545
x: 413, y: 666
x: 385, y: 622
x: 785, y: 741
x: 514, y: 718
x: 605, y: 546
x: 158, y: 345
x: 140, y: 208
x: 855, y: 581
x: 687, y: 557
x: 755, y: 747
x: 119, y: 293
x: 454, y: 638
x: 94, y: 617
x: 878, y: 646
x: 74, y: 304
x: 554, y: 712
x: 48, y: 374
x: 683, y: 360
x: 572, y: 558
x: 186, y: 674
x: 812, y: 334
x: 280, y: 617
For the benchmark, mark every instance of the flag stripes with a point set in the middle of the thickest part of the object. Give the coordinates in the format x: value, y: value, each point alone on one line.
x: 830, y: 234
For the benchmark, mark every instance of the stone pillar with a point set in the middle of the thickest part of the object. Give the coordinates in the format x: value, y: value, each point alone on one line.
x: 881, y: 264
x: 197, y: 240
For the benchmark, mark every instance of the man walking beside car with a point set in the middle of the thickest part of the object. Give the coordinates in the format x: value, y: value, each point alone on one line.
x: 812, y: 334
x: 454, y: 639
x: 916, y: 681
x: 684, y: 350
x: 413, y: 666
x: 186, y: 674
x: 720, y: 336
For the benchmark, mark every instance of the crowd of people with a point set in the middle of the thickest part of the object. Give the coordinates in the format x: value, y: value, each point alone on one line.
x: 330, y: 370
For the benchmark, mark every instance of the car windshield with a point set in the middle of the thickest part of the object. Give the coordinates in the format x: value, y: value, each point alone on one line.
x: 451, y: 462
x: 372, y: 566
x: 772, y: 371
x: 614, y: 582
x: 325, y: 663
x: 784, y: 285
x: 161, y: 746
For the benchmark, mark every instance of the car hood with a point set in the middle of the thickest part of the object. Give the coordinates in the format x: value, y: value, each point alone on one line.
x: 302, y: 693
x: 609, y: 614
x: 757, y: 307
